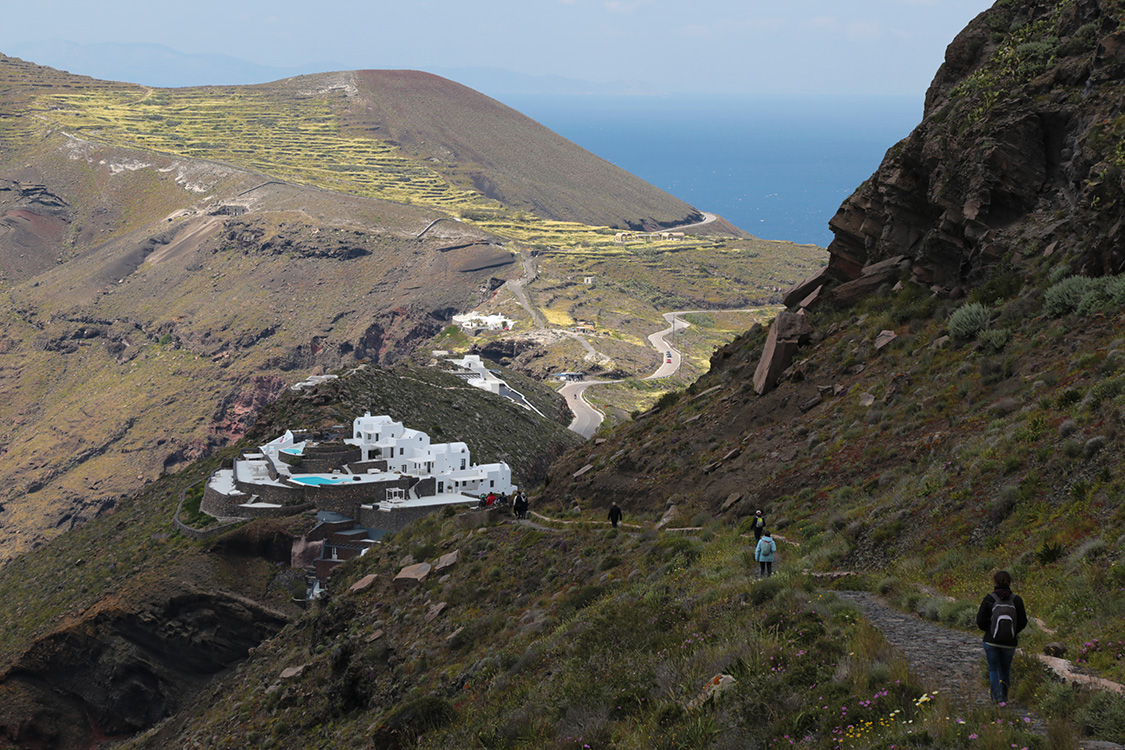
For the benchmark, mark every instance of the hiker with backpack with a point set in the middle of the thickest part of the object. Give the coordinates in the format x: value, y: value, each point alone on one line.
x: 1001, y: 616
x: 759, y: 525
x: 764, y: 551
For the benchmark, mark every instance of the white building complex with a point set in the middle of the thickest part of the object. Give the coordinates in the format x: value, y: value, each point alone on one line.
x: 378, y: 474
x: 475, y: 320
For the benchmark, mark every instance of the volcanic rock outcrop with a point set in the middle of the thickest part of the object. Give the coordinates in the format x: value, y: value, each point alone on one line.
x: 1019, y: 154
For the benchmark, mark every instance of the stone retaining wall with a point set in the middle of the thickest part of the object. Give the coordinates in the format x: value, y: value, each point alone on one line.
x: 321, y: 459
x: 345, y: 498
x: 268, y: 493
x: 362, y: 467
x: 393, y: 520
x: 474, y: 519
x: 285, y: 510
x: 193, y: 533
x: 217, y: 504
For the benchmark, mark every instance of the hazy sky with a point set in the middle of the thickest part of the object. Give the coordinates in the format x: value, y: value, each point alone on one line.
x: 717, y: 46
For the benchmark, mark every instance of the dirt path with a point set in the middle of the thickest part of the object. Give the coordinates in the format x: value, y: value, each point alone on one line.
x: 950, y: 661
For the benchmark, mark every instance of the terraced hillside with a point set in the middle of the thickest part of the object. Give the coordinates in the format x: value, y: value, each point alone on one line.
x: 397, y: 135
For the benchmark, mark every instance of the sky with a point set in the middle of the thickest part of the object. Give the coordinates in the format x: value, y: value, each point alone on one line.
x: 866, y: 47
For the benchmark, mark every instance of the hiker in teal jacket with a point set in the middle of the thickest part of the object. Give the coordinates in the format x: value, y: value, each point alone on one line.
x: 764, y: 552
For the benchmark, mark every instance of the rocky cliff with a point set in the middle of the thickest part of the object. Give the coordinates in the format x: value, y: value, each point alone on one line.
x: 1019, y: 156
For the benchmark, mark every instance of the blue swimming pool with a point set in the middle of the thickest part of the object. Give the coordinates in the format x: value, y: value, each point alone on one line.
x: 317, y: 481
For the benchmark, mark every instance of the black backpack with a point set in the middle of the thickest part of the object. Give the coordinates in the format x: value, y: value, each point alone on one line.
x: 1002, y: 627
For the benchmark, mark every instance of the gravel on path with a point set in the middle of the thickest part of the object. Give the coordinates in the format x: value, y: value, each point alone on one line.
x: 948, y: 661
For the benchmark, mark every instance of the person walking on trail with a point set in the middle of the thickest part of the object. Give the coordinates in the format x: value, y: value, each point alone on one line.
x: 1001, y: 616
x: 614, y: 514
x: 763, y: 553
x: 759, y: 525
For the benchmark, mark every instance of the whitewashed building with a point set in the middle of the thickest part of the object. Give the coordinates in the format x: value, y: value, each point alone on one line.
x: 384, y: 469
x: 474, y: 320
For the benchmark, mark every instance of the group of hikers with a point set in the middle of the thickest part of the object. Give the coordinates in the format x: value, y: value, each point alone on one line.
x: 518, y: 501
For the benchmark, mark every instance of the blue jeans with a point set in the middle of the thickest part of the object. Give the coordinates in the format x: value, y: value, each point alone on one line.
x: 999, y: 670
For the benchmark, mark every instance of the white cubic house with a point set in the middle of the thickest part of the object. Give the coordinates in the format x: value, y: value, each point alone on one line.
x: 383, y: 476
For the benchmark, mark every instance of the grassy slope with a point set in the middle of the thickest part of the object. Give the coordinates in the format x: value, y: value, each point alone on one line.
x: 580, y: 638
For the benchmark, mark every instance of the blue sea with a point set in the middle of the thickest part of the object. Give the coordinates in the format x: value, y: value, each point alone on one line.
x: 778, y: 167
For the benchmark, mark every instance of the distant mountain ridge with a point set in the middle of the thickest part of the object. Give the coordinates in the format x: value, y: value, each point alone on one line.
x: 160, y: 65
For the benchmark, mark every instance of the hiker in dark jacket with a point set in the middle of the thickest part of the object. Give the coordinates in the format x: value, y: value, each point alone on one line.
x: 614, y: 514
x: 1001, y: 616
x: 759, y: 525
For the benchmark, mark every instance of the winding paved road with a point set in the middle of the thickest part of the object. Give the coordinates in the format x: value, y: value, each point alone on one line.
x: 587, y: 419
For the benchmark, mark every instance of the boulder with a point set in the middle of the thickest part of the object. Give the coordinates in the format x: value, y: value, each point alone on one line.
x: 363, y: 583
x: 1056, y: 649
x: 434, y: 611
x: 809, y: 286
x: 716, y: 686
x: 884, y: 338
x: 812, y: 403
x: 787, y: 333
x: 412, y: 575
x: 291, y: 672
x: 731, y: 500
x: 447, y: 560
x: 871, y: 278
x: 669, y: 516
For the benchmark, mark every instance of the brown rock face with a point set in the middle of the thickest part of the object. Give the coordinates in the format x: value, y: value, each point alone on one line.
x: 118, y: 672
x: 1019, y: 148
x: 788, y: 332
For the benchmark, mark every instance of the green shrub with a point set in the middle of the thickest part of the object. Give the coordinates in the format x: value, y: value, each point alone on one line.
x: 1107, y: 390
x: 994, y: 340
x: 959, y: 614
x: 1069, y: 397
x: 931, y: 608
x: 1104, y: 716
x: 580, y: 598
x: 1057, y: 699
x: 670, y: 547
x: 413, y: 719
x: 766, y: 590
x: 1002, y: 285
x: 668, y: 399
x: 967, y: 321
x: 1050, y: 552
x: 1065, y: 297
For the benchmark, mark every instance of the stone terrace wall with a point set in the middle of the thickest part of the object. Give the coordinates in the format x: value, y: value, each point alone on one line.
x: 194, y: 533
x: 271, y: 494
x: 343, y: 498
x: 393, y: 520
x: 320, y: 459
x: 362, y: 467
x: 286, y: 510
